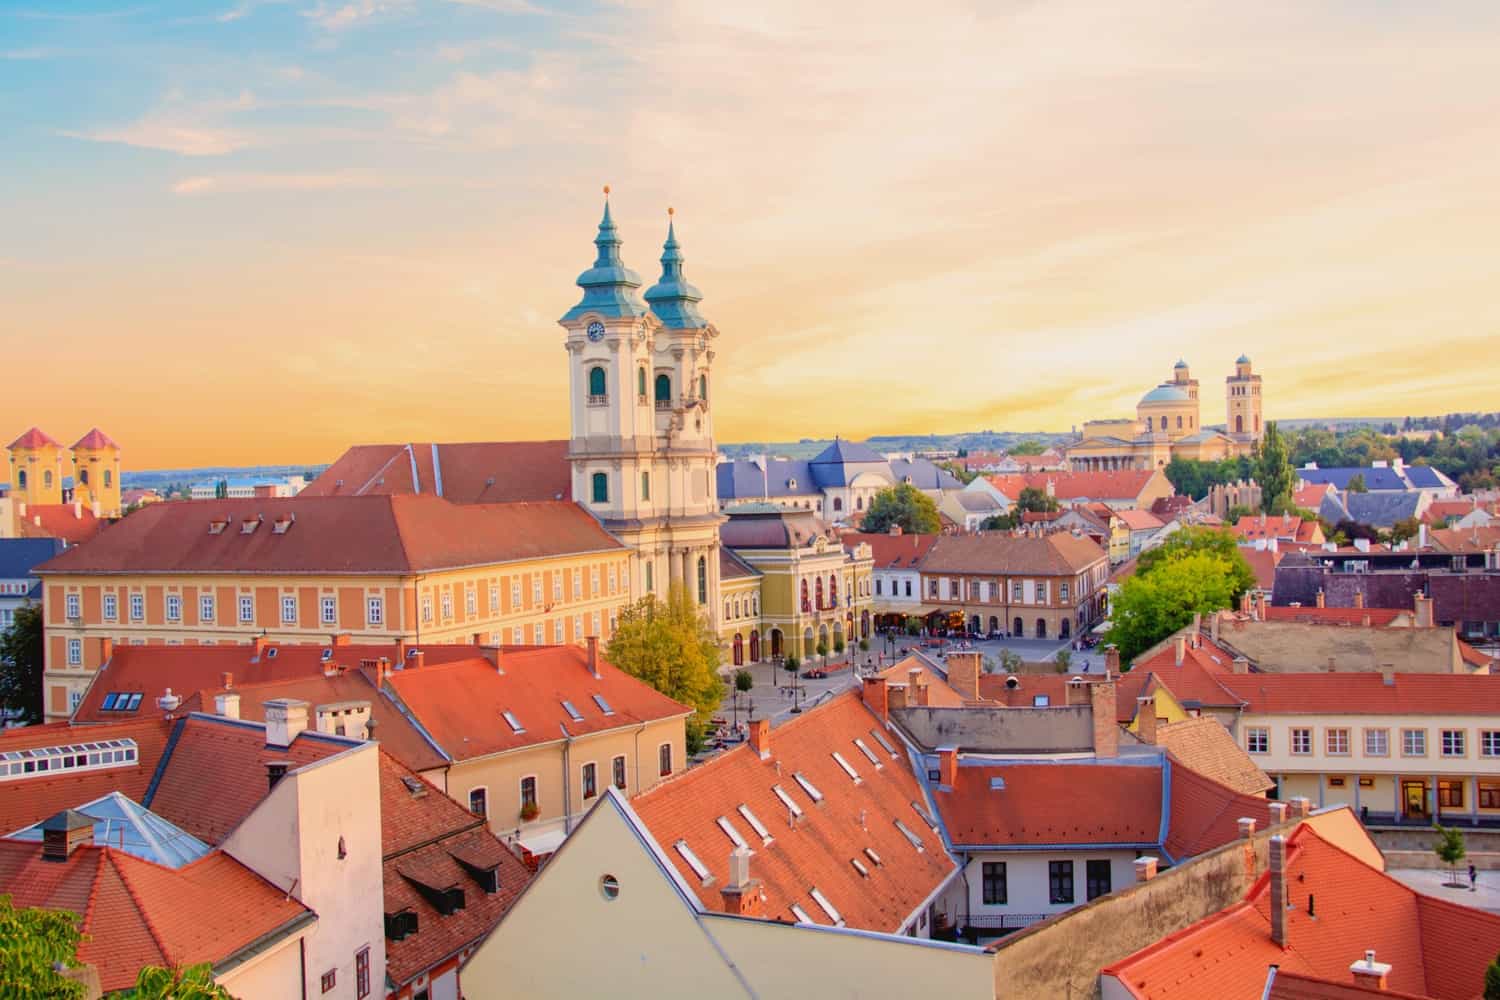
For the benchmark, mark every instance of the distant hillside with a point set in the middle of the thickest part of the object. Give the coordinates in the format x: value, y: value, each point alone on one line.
x: 178, y: 480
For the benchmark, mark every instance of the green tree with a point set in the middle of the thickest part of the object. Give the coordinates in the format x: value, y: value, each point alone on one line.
x: 1151, y: 606
x: 957, y: 471
x: 21, y: 665
x: 1492, y: 980
x: 196, y: 982
x: 1036, y: 501
x: 905, y: 505
x: 1063, y: 660
x: 1450, y: 849
x: 1274, y: 470
x: 1217, y: 542
x: 1010, y: 661
x: 1357, y: 483
x: 670, y: 646
x: 34, y: 944
x: 1406, y: 528
x: 743, y: 681
x: 1026, y: 447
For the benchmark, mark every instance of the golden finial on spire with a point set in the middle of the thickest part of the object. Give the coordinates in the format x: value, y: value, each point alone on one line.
x: 606, y: 190
x: 671, y: 210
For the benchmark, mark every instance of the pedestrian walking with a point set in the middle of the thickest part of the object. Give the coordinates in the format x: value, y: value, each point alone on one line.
x: 1473, y: 877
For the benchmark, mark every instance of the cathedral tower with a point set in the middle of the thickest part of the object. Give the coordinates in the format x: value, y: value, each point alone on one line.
x: 642, y: 446
x: 1242, y: 403
x: 36, y: 468
x: 96, y: 475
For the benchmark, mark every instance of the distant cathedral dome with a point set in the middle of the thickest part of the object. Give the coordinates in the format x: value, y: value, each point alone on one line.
x: 1166, y: 394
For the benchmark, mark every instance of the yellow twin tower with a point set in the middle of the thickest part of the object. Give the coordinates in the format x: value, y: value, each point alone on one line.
x: 38, y: 465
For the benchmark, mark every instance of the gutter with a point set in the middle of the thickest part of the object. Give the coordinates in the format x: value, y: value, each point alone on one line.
x: 263, y: 943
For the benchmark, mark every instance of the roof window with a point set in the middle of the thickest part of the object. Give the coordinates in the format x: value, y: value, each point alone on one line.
x: 826, y: 906
x: 217, y: 525
x: 416, y: 786
x: 69, y: 757
x: 698, y: 867
x: 875, y: 858
x: 808, y: 787
x: 860, y: 867
x: 926, y: 816
x: 883, y: 742
x: 249, y: 524
x: 997, y: 784
x: 327, y: 655
x: 801, y: 914
x: 603, y: 705
x: 573, y: 713
x: 121, y: 701
x: 848, y: 768
x: 869, y: 754
x: 1040, y: 701
x: 731, y: 832
x: 513, y: 722
x: 281, y: 524
x: 906, y: 832
x: 787, y: 801
x: 755, y: 824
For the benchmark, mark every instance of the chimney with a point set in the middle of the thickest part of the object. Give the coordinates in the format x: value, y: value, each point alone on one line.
x: 1213, y: 627
x: 1247, y: 827
x: 896, y: 697
x: 65, y: 832
x: 1145, y: 868
x: 1277, y: 811
x: 1241, y: 665
x: 593, y: 645
x: 1359, y: 598
x: 1106, y: 730
x: 1197, y: 626
x: 760, y: 737
x: 340, y: 639
x: 914, y: 677
x: 275, y: 771
x: 1245, y: 603
x: 895, y: 529
x: 1423, y: 605
x: 922, y: 694
x: 1388, y: 677
x: 1321, y: 599
x: 963, y: 674
x: 382, y: 671
x: 1112, y: 661
x: 106, y: 649
x: 227, y: 704
x: 226, y: 680
x: 1300, y: 807
x: 401, y: 648
x: 1179, y: 650
x: 948, y: 766
x: 874, y: 694
x: 1278, y: 890
x: 286, y: 718
x: 260, y: 643
x: 1370, y: 974
x: 1145, y: 719
x: 415, y: 659
x: 1260, y: 607
x: 1421, y: 536
x: 1076, y: 692
x: 1364, y: 621
x: 742, y: 894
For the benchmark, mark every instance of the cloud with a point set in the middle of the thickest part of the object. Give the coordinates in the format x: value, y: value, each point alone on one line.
x: 187, y: 128
x: 244, y: 8
x: 246, y: 183
x: 28, y: 54
x: 502, y: 6
x: 339, y: 16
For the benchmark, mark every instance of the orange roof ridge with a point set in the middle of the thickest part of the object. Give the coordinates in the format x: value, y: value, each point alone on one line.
x: 140, y: 907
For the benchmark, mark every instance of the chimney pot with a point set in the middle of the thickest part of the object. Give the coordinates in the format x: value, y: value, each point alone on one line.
x: 593, y: 647
x: 1278, y: 890
x: 1278, y: 812
x: 948, y: 766
x: 742, y: 894
x: 1370, y: 974
x: 1179, y: 649
x: 1247, y: 827
x: 1145, y: 719
x: 416, y: 658
x: 1321, y: 598
x: 875, y: 696
x: 1102, y: 710
x: 1145, y: 868
x: 1301, y: 807
x: 226, y: 680
x: 1112, y: 661
x: 286, y: 719
x: 760, y: 737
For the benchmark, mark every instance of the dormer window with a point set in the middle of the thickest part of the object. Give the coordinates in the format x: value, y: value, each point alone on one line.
x: 249, y: 525
x: 281, y: 524
x: 791, y: 484
x: 217, y: 525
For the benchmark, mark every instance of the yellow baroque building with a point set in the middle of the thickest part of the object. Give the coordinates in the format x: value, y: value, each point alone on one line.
x: 1168, y: 424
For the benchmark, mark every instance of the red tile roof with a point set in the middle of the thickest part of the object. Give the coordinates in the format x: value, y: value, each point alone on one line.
x: 1310, y: 495
x: 136, y: 913
x: 939, y: 694
x: 1263, y: 564
x: 476, y: 472
x: 1367, y: 693
x: 1123, y: 485
x: 461, y: 704
x: 26, y: 801
x: 1060, y: 554
x: 34, y: 438
x: 373, y: 534
x: 1461, y: 540
x: 1197, y: 680
x: 891, y: 551
x: 996, y: 687
x: 819, y: 851
x: 1139, y: 520
x: 1334, y: 616
x: 427, y: 839
x: 1435, y: 948
x: 95, y: 438
x: 1205, y: 814
x: 1205, y: 746
x: 1084, y: 803
x: 1291, y: 986
x: 73, y: 523
x: 1288, y: 527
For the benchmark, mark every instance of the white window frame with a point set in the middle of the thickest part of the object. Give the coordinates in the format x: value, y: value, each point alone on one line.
x: 447, y: 605
x: 246, y: 609
x: 1458, y: 738
x: 75, y: 652
x: 137, y: 606
x: 207, y: 608
x: 374, y: 611
x: 557, y: 631
x: 515, y: 593
x: 494, y: 598
x: 1292, y: 740
x: 1489, y: 743
x: 1330, y: 735
x: 110, y: 604
x: 328, y: 609
x: 73, y: 606
x: 174, y: 608
x: 536, y: 589
x: 288, y: 609
x: 1260, y: 735
x: 471, y: 601
x: 1409, y: 737
x: 1383, y: 737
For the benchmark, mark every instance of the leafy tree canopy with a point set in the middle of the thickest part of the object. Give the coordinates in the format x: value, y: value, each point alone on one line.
x: 21, y: 665
x: 1217, y: 542
x: 1026, y: 447
x: 905, y: 505
x: 1273, y: 470
x: 33, y: 943
x: 669, y: 645
x: 1152, y: 605
x: 196, y: 982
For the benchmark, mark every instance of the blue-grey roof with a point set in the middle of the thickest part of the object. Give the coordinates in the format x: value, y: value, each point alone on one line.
x: 1180, y: 364
x: 124, y: 825
x: 1379, y: 510
x: 1376, y: 478
x: 836, y: 465
x: 19, y: 555
x: 848, y: 451
x: 1166, y: 394
x: 673, y: 300
x: 842, y: 461
x: 609, y: 287
x: 1425, y: 477
x: 743, y: 479
x: 1243, y: 359
x: 924, y: 475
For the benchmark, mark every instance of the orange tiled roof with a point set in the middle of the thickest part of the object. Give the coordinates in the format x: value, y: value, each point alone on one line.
x: 461, y: 705
x: 997, y: 688
x: 891, y: 551
x: 95, y: 438
x: 1205, y: 814
x: 1442, y: 510
x: 1139, y: 520
x: 1435, y: 948
x: 136, y: 913
x: 1205, y: 746
x: 30, y: 800
x: 1198, y: 680
x: 939, y: 694
x: 1460, y: 540
x: 73, y: 523
x: 1472, y: 656
x: 1060, y: 554
x: 819, y: 851
x: 1334, y: 616
x: 1291, y: 986
x: 1367, y: 693
x: 474, y: 472
x: 1263, y: 564
x: 1125, y: 484
x: 34, y: 438
x: 1064, y: 803
x: 1310, y: 495
x: 371, y: 534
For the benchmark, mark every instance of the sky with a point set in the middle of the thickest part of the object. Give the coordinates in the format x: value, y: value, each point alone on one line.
x: 235, y: 231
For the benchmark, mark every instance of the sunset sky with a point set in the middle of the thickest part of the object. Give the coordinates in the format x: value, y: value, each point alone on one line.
x: 239, y: 232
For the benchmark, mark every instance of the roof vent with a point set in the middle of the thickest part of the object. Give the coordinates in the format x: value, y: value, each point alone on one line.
x: 217, y: 525
x: 168, y: 702
x: 281, y: 524
x: 997, y: 784
x: 416, y: 786
x: 1012, y: 682
x: 249, y: 525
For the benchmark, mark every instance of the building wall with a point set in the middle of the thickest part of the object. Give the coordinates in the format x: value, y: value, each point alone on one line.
x: 1027, y: 882
x: 992, y: 595
x: 784, y: 571
x: 275, y: 973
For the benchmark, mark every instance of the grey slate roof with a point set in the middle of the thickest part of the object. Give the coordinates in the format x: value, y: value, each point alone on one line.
x: 924, y: 475
x: 1380, y: 510
x: 19, y: 555
x: 1376, y: 478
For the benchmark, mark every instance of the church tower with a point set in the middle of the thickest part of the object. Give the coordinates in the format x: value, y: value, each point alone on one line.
x: 642, y: 445
x: 1242, y: 403
x: 96, y: 473
x: 36, y: 468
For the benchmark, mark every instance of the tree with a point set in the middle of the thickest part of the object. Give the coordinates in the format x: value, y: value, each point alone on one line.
x: 1010, y: 660
x: 196, y: 982
x: 905, y: 505
x: 1357, y: 483
x: 1151, y: 606
x: 1026, y: 447
x: 34, y: 945
x: 1274, y: 469
x: 743, y: 681
x: 1406, y: 528
x: 1063, y: 659
x: 1492, y: 980
x: 1036, y: 501
x: 669, y: 645
x: 1450, y: 850
x: 21, y: 666
x: 1218, y: 542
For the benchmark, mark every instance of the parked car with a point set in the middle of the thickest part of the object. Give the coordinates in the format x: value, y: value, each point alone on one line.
x: 814, y: 675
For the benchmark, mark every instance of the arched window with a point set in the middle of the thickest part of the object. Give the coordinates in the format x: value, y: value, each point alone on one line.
x: 663, y: 388
x: 596, y: 382
x: 20, y: 479
x: 702, y: 580
x: 601, y: 487
x: 838, y: 503
x: 640, y: 382
x: 1179, y: 422
x: 755, y: 646
x: 833, y: 591
x: 739, y: 650
x: 818, y: 590
x: 83, y: 476
x: 1239, y: 424
x: 727, y: 615
x: 47, y: 478
x: 805, y: 605
x: 859, y: 503
x: 1163, y: 423
x: 645, y: 486
x: 650, y: 585
x: 703, y: 387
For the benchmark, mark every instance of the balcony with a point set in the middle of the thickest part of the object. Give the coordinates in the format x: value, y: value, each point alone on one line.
x: 598, y: 401
x: 664, y: 405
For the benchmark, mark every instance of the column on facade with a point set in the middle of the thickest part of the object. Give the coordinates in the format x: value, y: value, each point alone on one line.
x: 715, y: 595
x: 677, y: 576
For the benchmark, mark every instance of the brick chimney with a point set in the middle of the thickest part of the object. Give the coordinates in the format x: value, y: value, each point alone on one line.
x: 963, y: 674
x: 875, y: 697
x: 1247, y: 827
x: 260, y: 643
x: 1423, y: 610
x: 1145, y: 719
x: 226, y: 680
x: 286, y: 719
x: 340, y: 639
x: 1301, y: 807
x: 1240, y: 665
x: 1278, y: 890
x: 760, y: 737
x: 227, y: 704
x: 1213, y: 627
x: 1359, y: 598
x: 415, y: 659
x: 1245, y: 603
x: 1321, y: 599
x: 1370, y: 974
x: 1076, y: 692
x: 1145, y: 868
x: 593, y: 650
x: 742, y: 894
x: 1112, y: 661
x: 1278, y: 812
x: 895, y: 696
x: 1106, y: 730
x: 65, y: 832
x: 1179, y: 650
x: 948, y: 766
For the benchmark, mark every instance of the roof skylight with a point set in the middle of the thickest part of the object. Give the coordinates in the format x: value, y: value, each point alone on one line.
x: 869, y: 754
x: 731, y: 832
x: 926, y: 816
x: 603, y: 705
x: 826, y: 906
x: 906, y: 832
x: 883, y: 742
x: 513, y: 722
x: 573, y: 712
x: 870, y: 853
x: 787, y: 800
x: 70, y: 757
x: 848, y: 768
x: 755, y: 824
x: 808, y: 787
x: 860, y: 867
x: 698, y: 867
x: 801, y: 914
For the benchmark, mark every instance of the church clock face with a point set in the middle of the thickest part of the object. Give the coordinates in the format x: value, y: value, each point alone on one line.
x: 596, y: 331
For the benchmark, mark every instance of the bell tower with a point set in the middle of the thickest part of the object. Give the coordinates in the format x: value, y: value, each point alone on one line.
x: 642, y: 447
x: 36, y: 468
x: 96, y: 473
x: 1242, y: 403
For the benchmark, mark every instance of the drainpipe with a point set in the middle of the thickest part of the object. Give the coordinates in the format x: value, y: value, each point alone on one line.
x: 567, y: 779
x: 638, y: 733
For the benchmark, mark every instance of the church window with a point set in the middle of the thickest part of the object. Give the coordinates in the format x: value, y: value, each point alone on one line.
x: 818, y: 591
x: 838, y: 503
x: 703, y: 387
x: 107, y: 478
x: 47, y: 478
x: 640, y: 383
x: 1239, y: 425
x: 597, y: 392
x: 663, y: 389
x: 702, y: 580
x: 601, y: 487
x: 650, y: 586
x: 1179, y: 422
x: 1163, y: 423
x: 83, y: 476
x: 645, y: 486
x: 859, y: 503
x: 21, y: 479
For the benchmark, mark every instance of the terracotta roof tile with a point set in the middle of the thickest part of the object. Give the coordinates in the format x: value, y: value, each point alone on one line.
x: 1061, y: 554
x: 1022, y: 694
x: 95, y: 438
x: 475, y: 472
x: 370, y: 534
x: 462, y: 704
x: 1140, y: 520
x: 891, y: 551
x: 1205, y: 746
x: 34, y: 438
x: 73, y: 523
x: 818, y: 850
x: 1084, y: 803
x: 1198, y: 680
x: 1123, y: 485
x: 26, y: 801
x: 1367, y: 693
x: 1334, y: 616
x: 1205, y: 814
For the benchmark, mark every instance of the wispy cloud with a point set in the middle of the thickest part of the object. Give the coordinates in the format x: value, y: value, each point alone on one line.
x: 340, y: 16
x: 245, y: 183
x: 502, y: 6
x: 188, y: 128
x: 244, y: 9
x: 27, y: 54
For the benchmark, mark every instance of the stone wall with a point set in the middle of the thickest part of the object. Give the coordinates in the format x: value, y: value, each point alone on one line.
x: 1057, y: 729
